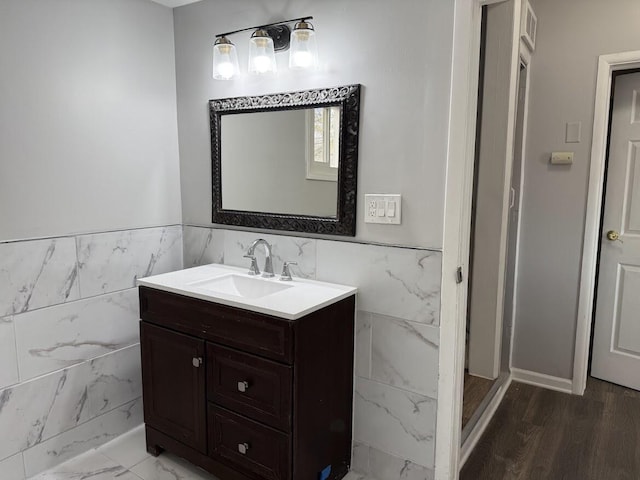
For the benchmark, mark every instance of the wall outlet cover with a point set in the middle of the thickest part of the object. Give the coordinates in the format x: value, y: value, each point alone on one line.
x: 385, y: 209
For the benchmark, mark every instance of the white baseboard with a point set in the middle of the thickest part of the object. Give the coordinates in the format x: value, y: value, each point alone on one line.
x: 541, y: 380
x: 475, y: 435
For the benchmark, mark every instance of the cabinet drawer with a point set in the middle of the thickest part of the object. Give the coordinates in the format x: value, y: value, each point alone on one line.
x: 248, y: 445
x: 264, y: 335
x: 250, y: 385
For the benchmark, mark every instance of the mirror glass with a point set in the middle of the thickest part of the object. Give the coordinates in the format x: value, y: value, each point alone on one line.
x: 287, y: 161
x: 283, y: 162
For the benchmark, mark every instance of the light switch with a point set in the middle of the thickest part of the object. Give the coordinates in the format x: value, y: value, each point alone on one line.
x: 573, y: 132
x: 383, y: 208
x: 391, y: 209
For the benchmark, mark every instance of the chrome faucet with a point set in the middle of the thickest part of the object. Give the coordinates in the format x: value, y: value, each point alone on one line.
x: 268, y: 263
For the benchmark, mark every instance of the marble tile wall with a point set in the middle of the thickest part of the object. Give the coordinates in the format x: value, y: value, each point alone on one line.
x: 69, y: 346
x: 387, y: 466
x: 397, y: 334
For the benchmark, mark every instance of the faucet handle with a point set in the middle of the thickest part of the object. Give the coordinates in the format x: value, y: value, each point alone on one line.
x: 285, y: 276
x: 253, y: 269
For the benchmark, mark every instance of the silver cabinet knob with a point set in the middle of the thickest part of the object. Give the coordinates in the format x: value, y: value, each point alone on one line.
x: 243, y: 448
x: 197, y: 361
x: 243, y: 386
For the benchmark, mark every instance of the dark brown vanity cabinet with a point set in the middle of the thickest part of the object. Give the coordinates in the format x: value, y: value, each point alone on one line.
x: 244, y: 395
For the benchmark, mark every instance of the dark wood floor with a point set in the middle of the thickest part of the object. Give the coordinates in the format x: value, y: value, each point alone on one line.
x: 539, y: 434
x: 475, y: 390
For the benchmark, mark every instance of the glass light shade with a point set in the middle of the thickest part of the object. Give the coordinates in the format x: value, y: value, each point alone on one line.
x: 262, y: 58
x: 304, y: 50
x: 225, y: 60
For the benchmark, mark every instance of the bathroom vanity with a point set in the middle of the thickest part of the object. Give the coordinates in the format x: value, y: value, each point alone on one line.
x: 248, y: 378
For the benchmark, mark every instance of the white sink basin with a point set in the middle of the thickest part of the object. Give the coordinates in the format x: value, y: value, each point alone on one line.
x: 241, y: 286
x: 234, y: 287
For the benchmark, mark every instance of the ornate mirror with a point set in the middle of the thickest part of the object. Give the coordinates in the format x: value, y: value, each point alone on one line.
x: 287, y: 161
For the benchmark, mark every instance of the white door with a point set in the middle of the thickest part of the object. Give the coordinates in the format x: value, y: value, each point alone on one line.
x: 616, y: 342
x: 490, y: 217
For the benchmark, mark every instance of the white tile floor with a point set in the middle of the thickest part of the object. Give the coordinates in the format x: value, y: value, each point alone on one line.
x: 126, y: 458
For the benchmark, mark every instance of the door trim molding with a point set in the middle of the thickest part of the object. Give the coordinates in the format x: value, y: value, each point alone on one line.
x: 487, y: 415
x: 607, y: 64
x: 463, y: 102
x: 549, y: 382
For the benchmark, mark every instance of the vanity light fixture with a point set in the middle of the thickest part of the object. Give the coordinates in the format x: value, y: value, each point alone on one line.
x: 265, y: 41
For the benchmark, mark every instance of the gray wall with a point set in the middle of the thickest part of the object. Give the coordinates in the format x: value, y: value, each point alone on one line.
x: 404, y: 121
x: 88, y: 144
x: 571, y: 36
x: 406, y: 78
x: 88, y: 134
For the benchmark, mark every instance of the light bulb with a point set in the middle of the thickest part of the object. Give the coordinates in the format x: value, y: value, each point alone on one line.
x: 302, y: 59
x: 261, y: 64
x: 225, y: 70
x: 304, y: 50
x: 262, y: 58
x: 225, y: 59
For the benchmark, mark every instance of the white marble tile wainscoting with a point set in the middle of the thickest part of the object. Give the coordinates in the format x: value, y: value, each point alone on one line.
x: 69, y: 345
x: 397, y: 334
x: 70, y: 376
x: 125, y: 458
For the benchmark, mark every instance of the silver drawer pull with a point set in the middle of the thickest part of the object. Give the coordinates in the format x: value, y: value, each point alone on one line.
x: 243, y: 448
x: 243, y: 386
x: 197, y: 361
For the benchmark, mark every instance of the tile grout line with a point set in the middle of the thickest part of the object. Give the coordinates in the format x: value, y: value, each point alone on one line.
x: 370, y: 341
x: 15, y: 346
x: 404, y: 390
x: 76, y: 242
x: 53, y: 305
x: 87, y: 234
x: 398, y: 319
x: 24, y: 466
x: 332, y: 239
x: 74, y: 365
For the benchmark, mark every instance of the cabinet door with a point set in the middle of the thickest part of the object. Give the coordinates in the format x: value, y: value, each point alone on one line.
x: 173, y: 378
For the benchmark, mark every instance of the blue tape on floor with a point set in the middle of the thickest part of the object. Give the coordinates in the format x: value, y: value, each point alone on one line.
x: 324, y: 474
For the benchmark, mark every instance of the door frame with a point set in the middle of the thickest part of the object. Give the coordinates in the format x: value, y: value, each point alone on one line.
x: 607, y: 65
x: 463, y: 103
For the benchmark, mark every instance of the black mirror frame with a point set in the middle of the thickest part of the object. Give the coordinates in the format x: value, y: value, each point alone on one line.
x: 348, y: 98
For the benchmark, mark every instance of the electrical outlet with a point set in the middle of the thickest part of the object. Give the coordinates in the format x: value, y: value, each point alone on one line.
x: 383, y: 208
x: 372, y: 205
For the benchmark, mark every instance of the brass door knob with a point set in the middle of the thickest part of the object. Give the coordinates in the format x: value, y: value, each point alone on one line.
x: 612, y: 235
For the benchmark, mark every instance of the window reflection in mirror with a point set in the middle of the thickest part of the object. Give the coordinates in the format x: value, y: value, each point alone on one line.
x: 323, y: 143
x: 281, y: 161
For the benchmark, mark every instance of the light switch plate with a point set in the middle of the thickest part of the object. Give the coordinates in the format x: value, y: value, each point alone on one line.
x: 383, y: 208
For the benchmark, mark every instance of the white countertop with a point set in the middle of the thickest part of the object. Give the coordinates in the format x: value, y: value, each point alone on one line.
x: 303, y: 297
